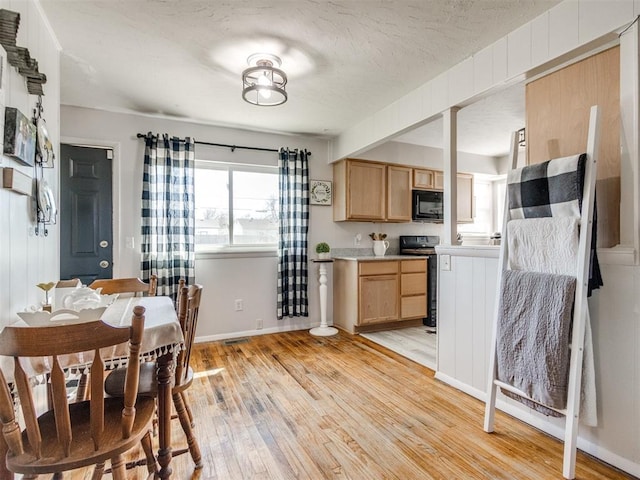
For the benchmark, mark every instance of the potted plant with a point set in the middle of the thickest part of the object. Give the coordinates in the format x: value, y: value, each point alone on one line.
x: 323, y: 250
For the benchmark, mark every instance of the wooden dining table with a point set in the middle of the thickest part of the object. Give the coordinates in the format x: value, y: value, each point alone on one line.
x: 161, y: 342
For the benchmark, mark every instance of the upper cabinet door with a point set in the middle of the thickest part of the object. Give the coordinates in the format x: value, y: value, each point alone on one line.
x: 465, y: 198
x: 398, y: 194
x: 366, y: 191
x: 438, y: 180
x: 423, y: 178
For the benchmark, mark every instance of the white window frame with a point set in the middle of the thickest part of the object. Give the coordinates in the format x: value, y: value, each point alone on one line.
x: 234, y: 250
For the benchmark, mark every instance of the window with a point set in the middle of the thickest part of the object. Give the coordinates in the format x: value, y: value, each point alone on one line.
x: 483, y: 221
x: 236, y: 206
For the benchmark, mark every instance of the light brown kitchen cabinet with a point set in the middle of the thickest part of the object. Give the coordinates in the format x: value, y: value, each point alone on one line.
x: 375, y: 294
x: 413, y: 288
x: 371, y: 191
x: 465, y: 198
x: 438, y: 180
x: 398, y: 193
x: 360, y: 191
x: 423, y: 179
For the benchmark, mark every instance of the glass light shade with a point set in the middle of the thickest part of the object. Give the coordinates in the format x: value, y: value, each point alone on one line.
x: 264, y: 84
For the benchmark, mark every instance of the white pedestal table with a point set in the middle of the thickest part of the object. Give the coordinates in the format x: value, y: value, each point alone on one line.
x: 324, y: 330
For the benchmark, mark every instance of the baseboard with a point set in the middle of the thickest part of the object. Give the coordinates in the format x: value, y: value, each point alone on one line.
x: 253, y: 333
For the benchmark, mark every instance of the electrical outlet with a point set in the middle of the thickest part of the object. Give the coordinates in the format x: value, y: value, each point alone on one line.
x: 258, y: 324
x: 239, y: 305
x: 357, y: 239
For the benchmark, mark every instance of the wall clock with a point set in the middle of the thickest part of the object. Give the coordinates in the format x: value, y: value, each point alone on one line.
x: 320, y: 192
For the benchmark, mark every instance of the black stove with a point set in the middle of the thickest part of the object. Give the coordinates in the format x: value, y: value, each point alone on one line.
x: 418, y: 244
x: 425, y: 245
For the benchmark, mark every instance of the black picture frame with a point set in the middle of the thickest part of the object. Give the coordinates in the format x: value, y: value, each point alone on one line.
x: 19, y: 136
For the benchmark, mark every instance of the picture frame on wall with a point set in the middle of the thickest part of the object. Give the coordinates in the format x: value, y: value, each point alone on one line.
x: 19, y: 136
x: 320, y: 192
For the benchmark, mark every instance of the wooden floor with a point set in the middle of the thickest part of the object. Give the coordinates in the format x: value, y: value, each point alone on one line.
x: 293, y: 406
x: 415, y: 343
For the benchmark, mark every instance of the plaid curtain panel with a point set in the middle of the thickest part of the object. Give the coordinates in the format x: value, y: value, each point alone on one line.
x: 553, y: 189
x: 294, y: 225
x: 168, y: 220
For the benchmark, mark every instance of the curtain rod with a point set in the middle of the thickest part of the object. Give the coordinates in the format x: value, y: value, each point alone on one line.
x: 232, y: 147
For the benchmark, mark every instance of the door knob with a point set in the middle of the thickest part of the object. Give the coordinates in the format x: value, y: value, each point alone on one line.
x: 104, y: 264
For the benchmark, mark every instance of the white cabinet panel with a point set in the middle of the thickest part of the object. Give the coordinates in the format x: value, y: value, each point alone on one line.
x: 463, y: 269
x: 519, y: 51
x: 540, y: 40
x: 446, y: 321
x: 461, y: 81
x: 500, y: 60
x: 440, y: 92
x: 597, y: 18
x: 563, y: 28
x: 483, y: 70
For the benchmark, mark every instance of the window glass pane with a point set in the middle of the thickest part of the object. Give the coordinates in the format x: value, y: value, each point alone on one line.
x: 212, y: 207
x: 255, y: 208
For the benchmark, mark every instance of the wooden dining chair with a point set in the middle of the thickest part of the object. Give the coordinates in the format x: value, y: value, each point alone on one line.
x: 126, y: 285
x: 71, y: 283
x: 189, y: 307
x: 80, y: 434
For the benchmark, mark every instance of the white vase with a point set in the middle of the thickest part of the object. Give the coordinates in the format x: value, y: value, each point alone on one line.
x: 324, y: 256
x: 380, y: 247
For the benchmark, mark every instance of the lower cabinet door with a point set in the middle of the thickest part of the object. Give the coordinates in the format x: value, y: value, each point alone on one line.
x: 378, y: 299
x: 414, y: 307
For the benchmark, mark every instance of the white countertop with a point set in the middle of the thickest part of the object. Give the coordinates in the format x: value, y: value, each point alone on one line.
x: 491, y: 251
x: 372, y: 258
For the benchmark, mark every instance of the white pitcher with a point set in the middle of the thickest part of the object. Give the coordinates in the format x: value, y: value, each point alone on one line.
x: 380, y: 247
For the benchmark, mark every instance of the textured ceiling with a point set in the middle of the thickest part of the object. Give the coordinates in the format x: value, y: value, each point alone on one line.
x: 345, y: 59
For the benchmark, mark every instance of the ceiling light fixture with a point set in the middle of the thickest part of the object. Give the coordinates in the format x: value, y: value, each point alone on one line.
x: 263, y: 83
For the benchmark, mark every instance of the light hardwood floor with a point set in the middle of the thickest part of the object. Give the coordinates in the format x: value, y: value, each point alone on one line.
x: 291, y: 405
x: 415, y: 343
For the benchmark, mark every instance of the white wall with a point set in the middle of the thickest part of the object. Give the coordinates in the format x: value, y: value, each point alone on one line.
x: 224, y: 277
x: 429, y: 157
x: 26, y: 259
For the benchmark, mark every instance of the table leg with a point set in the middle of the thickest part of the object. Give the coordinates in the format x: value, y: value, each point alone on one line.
x: 324, y: 330
x: 165, y: 365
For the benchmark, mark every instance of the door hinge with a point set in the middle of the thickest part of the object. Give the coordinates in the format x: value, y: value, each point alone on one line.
x: 109, y: 154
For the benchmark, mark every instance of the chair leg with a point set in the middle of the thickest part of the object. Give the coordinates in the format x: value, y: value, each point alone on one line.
x: 152, y: 465
x: 118, y: 469
x: 98, y: 471
x: 186, y: 406
x: 194, y: 449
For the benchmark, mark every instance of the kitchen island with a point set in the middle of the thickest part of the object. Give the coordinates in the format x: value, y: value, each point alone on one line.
x: 379, y: 293
x: 466, y: 299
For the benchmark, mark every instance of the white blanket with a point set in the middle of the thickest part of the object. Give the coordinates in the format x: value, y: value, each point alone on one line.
x: 550, y: 245
x: 544, y: 245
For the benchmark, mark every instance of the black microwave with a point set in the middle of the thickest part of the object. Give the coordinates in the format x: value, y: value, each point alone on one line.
x: 427, y: 206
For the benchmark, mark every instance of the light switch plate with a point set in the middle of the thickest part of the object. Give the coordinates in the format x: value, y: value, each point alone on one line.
x: 445, y: 262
